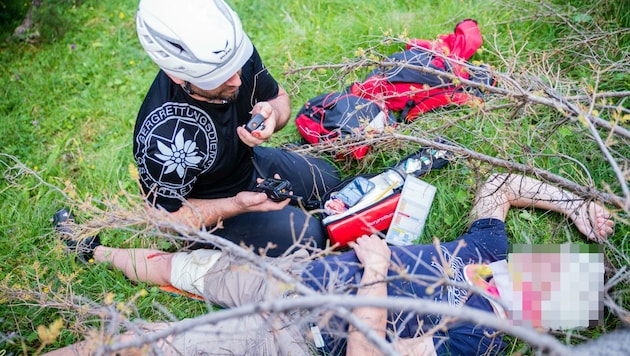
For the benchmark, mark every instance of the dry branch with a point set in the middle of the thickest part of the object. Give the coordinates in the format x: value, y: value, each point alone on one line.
x: 341, y: 305
x: 519, y: 93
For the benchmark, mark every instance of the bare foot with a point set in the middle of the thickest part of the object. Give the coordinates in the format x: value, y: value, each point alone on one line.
x: 593, y: 220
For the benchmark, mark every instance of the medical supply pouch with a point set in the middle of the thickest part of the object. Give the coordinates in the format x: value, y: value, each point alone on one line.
x: 374, y: 218
x: 374, y: 212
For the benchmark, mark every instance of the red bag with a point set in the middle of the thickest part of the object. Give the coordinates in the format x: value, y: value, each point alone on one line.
x: 411, y: 92
x: 338, y: 115
x: 374, y: 218
x: 377, y: 216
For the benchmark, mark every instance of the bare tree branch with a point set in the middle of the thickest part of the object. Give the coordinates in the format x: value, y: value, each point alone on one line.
x: 544, y: 342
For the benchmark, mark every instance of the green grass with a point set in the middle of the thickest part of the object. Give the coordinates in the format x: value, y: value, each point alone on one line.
x: 69, y: 104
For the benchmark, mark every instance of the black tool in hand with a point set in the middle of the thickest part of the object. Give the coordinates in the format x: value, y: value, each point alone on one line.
x: 256, y: 123
x: 276, y: 189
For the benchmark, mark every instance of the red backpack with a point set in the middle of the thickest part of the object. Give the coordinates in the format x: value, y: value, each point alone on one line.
x: 411, y: 92
x: 338, y: 115
x: 396, y: 89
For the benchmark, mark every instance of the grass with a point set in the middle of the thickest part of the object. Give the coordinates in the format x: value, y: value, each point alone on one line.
x: 69, y: 104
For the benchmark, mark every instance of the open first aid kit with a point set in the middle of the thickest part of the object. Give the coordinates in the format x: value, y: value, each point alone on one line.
x: 392, y: 201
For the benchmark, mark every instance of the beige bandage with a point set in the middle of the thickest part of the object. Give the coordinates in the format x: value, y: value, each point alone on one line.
x: 189, y: 268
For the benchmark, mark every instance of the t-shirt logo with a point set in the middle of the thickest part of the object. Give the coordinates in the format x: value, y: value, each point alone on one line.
x: 177, y: 142
x: 180, y: 155
x: 451, y: 268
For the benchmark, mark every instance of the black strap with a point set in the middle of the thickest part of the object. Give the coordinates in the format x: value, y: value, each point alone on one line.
x: 410, y: 104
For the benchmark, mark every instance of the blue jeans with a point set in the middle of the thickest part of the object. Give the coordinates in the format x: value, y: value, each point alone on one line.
x: 310, y: 177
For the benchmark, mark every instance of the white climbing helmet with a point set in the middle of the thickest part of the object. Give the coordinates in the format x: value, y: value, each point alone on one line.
x: 199, y: 41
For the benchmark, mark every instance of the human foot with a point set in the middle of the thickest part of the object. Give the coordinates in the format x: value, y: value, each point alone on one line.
x: 593, y: 220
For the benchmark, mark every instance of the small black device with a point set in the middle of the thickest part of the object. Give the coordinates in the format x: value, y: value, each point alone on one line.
x: 256, y: 123
x: 355, y: 190
x: 276, y: 189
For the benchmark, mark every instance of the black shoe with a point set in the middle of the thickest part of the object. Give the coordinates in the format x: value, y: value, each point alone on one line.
x: 424, y: 160
x: 84, y: 248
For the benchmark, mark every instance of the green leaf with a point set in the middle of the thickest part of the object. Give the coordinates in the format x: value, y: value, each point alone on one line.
x: 525, y: 215
x: 582, y: 18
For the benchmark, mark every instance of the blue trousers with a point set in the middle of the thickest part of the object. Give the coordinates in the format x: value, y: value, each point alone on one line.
x: 485, y: 241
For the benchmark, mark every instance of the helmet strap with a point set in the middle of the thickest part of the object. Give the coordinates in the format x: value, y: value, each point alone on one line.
x: 188, y: 89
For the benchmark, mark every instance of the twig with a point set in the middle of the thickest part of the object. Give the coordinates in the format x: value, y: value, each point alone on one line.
x: 334, y: 302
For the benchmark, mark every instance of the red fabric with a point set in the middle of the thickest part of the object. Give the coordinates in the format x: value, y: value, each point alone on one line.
x: 375, y: 218
x: 173, y: 290
x: 309, y: 129
x: 313, y: 133
x: 461, y: 44
x: 357, y: 152
x: 396, y: 96
x: 437, y: 98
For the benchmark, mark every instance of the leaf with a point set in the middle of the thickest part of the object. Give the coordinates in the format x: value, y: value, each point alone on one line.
x: 49, y: 334
x: 526, y: 216
x: 565, y: 131
x: 461, y: 196
x: 582, y: 18
x: 133, y: 171
x: 109, y: 298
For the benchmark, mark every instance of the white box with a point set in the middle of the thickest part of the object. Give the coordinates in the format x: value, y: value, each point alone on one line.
x: 411, y: 212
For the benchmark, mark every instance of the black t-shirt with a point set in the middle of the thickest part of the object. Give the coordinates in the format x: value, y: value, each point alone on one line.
x: 185, y: 148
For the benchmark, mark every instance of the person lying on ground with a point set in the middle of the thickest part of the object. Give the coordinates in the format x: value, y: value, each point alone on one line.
x: 372, y: 268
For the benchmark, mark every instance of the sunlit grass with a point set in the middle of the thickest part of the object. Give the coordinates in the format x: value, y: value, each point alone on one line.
x: 68, y: 108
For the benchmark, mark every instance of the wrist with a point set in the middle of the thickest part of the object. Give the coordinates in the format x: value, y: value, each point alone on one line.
x: 236, y: 204
x: 274, y: 116
x: 571, y: 206
x: 377, y: 268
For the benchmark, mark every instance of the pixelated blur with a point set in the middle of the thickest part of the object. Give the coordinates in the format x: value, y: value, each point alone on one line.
x: 554, y: 286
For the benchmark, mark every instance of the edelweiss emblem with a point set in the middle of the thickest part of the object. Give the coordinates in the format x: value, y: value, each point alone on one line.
x: 181, y: 155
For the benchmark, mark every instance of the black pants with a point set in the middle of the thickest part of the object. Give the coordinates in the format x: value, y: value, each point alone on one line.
x: 310, y: 178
